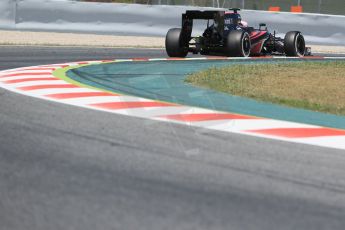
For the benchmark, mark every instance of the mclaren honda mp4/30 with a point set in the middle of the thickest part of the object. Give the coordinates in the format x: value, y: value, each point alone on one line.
x: 226, y: 34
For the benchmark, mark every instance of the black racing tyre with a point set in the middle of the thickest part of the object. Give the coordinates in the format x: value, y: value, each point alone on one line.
x: 238, y: 44
x: 294, y: 44
x: 173, y: 44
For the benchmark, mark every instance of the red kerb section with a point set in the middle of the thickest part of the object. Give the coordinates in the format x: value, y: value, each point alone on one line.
x: 140, y: 59
x: 78, y: 95
x: 300, y: 132
x: 206, y: 117
x: 130, y: 104
x: 35, y: 87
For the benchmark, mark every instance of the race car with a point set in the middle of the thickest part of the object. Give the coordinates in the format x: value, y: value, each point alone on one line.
x: 226, y: 34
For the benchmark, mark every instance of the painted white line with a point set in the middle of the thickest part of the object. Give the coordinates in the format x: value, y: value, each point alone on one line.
x: 30, y: 68
x: 28, y: 72
x: 37, y: 83
x: 148, y: 112
x: 252, y: 124
x: 2, y: 79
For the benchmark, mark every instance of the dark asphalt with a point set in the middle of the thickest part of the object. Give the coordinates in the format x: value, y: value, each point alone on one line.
x: 64, y: 167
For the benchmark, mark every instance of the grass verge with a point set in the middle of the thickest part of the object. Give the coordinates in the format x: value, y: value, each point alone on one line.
x: 318, y: 86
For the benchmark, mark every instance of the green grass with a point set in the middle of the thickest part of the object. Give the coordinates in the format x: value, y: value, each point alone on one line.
x: 318, y: 86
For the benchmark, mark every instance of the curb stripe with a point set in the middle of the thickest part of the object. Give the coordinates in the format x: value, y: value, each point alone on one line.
x: 25, y: 74
x: 40, y: 68
x: 57, y: 66
x: 130, y: 104
x: 28, y: 71
x: 79, y: 95
x: 31, y: 68
x: 300, y: 132
x: 34, y: 87
x: 140, y: 59
x: 264, y: 57
x: 36, y: 83
x: 30, y: 79
x: 241, y: 125
x: 312, y: 57
x: 25, y: 77
x: 206, y: 117
x: 176, y: 59
x: 100, y: 99
x: 44, y: 92
x: 214, y: 58
x: 152, y: 113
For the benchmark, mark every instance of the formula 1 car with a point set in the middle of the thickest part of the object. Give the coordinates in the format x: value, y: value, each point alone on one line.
x: 226, y: 34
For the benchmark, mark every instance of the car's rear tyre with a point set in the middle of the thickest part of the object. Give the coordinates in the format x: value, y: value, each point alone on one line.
x: 174, y: 44
x: 294, y: 44
x: 238, y: 44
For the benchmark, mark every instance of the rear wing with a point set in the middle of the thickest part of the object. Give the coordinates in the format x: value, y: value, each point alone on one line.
x: 190, y: 15
x: 197, y: 14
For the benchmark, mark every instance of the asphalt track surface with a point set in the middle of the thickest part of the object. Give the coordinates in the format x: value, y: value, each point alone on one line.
x: 64, y: 167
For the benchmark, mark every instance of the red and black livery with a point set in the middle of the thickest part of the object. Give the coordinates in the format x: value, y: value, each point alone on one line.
x: 226, y: 34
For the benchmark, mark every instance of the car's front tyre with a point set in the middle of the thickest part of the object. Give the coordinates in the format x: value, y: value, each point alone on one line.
x: 174, y: 44
x: 294, y: 44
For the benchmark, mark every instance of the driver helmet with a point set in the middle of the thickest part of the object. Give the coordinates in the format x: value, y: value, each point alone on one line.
x: 233, y: 18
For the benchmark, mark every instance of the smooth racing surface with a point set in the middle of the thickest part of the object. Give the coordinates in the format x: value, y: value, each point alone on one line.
x: 63, y: 167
